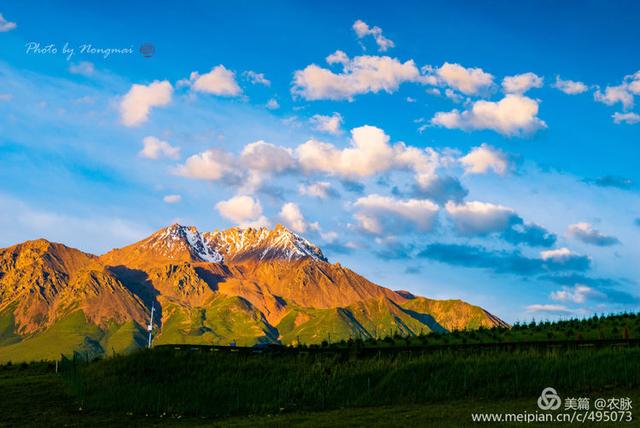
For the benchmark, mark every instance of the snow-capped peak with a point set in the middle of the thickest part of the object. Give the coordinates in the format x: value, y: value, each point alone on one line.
x: 175, y: 237
x: 262, y: 244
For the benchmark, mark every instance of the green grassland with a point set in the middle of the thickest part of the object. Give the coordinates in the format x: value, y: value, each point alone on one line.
x: 221, y: 321
x: 160, y: 388
x: 329, y: 385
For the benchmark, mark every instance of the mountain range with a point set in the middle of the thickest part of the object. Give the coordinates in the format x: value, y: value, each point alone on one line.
x: 242, y: 285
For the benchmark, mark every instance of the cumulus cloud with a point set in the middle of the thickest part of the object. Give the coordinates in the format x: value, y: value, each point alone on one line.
x: 212, y: 164
x: 632, y: 82
x: 291, y: 216
x: 320, y: 189
x: 172, y: 199
x: 579, y: 293
x: 219, y: 81
x: 628, y: 118
x: 155, y: 148
x: 256, y: 78
x: 469, y: 81
x: 440, y: 189
x: 362, y: 30
x: 483, y: 159
x: 260, y: 160
x: 84, y: 68
x: 329, y: 124
x: 266, y: 157
x: 565, y: 258
x: 521, y: 83
x: 6, y: 25
x: 586, y: 233
x: 570, y: 87
x: 243, y: 211
x: 512, y: 115
x: 480, y: 218
x: 381, y: 215
x: 137, y: 103
x: 257, y: 161
x: 615, y: 94
x: 369, y: 154
x: 359, y: 75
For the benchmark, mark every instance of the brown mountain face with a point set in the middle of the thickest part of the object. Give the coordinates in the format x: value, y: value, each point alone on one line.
x: 44, y: 281
x: 252, y: 284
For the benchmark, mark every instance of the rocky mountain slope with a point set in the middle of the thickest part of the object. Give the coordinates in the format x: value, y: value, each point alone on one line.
x: 253, y: 285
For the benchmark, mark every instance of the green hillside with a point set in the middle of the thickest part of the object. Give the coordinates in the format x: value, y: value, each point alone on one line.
x: 222, y: 321
x: 70, y: 334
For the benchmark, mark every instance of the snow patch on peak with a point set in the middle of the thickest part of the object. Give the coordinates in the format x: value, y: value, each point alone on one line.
x: 262, y: 244
x: 176, y: 237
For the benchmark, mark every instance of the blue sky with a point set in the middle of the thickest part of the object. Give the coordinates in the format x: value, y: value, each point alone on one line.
x: 478, y: 150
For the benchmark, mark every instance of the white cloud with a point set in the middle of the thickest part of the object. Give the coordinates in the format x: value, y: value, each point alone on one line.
x: 257, y: 161
x: 172, y: 199
x: 219, y: 81
x: 370, y: 153
x: 579, y: 293
x: 256, y: 78
x: 243, y: 211
x: 84, y: 68
x: 570, y: 87
x: 136, y: 104
x: 480, y: 218
x: 521, y: 83
x: 556, y: 254
x: 273, y: 104
x: 212, y: 164
x: 321, y: 189
x: 586, y: 233
x: 292, y: 217
x: 360, y: 75
x: 615, y: 94
x: 260, y: 160
x: 484, y: 158
x: 552, y: 309
x: 632, y: 83
x: 6, y: 25
x: 338, y: 57
x: 453, y: 95
x: 362, y: 30
x: 266, y: 157
x: 469, y: 81
x: 154, y: 148
x: 512, y: 115
x: 628, y: 118
x: 385, y: 215
x: 329, y: 124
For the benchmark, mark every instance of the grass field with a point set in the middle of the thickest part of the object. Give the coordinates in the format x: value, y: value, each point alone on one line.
x: 34, y: 396
x: 348, y: 383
